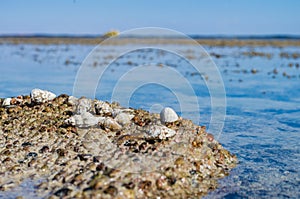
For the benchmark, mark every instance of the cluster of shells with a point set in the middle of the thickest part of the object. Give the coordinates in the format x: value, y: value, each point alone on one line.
x: 83, y: 148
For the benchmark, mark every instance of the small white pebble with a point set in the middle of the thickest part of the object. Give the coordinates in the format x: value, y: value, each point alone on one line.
x: 168, y: 115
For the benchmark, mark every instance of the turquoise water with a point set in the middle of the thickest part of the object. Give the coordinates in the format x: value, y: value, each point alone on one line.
x: 262, y: 123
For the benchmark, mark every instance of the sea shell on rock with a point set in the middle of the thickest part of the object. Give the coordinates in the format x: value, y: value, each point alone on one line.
x: 109, y: 123
x: 168, y: 115
x: 72, y: 100
x: 83, y: 105
x: 124, y: 118
x: 41, y: 96
x: 85, y: 119
x: 161, y: 132
x: 102, y: 108
x: 6, y: 102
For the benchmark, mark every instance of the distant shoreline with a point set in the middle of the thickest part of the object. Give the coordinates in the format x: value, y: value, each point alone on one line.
x: 193, y: 36
x: 272, y: 40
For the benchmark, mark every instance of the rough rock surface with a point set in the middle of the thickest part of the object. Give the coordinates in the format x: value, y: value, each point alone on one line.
x: 111, y: 157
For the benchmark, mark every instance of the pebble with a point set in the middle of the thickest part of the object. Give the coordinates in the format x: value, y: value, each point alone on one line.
x: 161, y: 132
x: 6, y: 102
x: 168, y: 115
x: 41, y: 96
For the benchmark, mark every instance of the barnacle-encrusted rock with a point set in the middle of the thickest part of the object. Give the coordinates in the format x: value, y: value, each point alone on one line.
x: 83, y: 148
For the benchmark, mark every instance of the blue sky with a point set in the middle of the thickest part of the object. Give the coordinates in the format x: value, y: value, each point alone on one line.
x: 211, y: 17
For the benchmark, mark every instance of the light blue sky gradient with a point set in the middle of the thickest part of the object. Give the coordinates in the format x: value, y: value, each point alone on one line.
x: 211, y: 17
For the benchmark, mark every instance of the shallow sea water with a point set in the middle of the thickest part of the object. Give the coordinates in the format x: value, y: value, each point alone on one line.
x: 262, y: 124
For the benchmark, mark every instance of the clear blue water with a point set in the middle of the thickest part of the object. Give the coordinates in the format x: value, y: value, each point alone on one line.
x: 262, y: 125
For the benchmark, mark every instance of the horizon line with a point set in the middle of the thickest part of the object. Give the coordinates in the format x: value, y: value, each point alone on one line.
x: 194, y: 36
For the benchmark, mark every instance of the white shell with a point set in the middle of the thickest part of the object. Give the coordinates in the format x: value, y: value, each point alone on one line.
x: 102, y: 107
x: 40, y: 96
x: 72, y: 100
x: 117, y: 111
x: 161, y: 132
x: 110, y: 124
x: 83, y: 105
x: 85, y: 119
x: 168, y: 115
x: 124, y: 118
x: 6, y: 102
